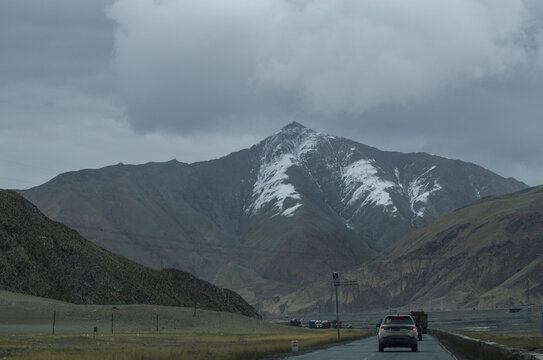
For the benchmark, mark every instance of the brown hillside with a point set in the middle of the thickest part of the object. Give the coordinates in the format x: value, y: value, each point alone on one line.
x: 44, y: 258
x: 484, y: 255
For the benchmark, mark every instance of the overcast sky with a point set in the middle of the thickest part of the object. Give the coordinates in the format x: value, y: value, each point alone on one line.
x: 86, y: 84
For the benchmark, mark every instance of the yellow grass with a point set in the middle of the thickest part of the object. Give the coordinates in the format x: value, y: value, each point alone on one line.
x: 173, y: 345
x: 530, y: 342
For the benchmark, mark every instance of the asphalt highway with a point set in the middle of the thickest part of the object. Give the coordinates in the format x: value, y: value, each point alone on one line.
x: 367, y: 349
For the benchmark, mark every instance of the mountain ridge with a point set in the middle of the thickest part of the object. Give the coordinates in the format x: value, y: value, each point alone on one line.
x: 261, y: 209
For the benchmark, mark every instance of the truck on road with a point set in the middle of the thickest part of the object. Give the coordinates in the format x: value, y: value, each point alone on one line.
x: 422, y: 318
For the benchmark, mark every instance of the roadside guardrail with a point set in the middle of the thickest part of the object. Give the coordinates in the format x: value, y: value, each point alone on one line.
x: 479, y: 349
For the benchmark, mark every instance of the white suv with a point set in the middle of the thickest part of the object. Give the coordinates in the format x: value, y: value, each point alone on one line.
x: 398, y: 331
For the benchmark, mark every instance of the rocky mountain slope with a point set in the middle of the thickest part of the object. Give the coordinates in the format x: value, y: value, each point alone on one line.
x: 486, y: 254
x: 266, y: 219
x: 44, y: 258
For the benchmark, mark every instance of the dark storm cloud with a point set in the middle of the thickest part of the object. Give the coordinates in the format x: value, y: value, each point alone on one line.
x: 190, y: 66
x: 458, y: 78
x: 186, y: 65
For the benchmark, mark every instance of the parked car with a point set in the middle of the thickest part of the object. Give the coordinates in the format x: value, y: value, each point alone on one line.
x: 326, y: 324
x: 398, y: 331
x: 319, y: 324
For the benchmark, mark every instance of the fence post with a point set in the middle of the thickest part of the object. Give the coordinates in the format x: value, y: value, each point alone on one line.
x: 54, y: 320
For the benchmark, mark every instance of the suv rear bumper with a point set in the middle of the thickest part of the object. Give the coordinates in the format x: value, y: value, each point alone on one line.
x: 398, y: 341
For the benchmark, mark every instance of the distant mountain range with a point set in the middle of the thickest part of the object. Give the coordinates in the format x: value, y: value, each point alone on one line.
x: 484, y: 255
x: 264, y: 220
x: 44, y: 258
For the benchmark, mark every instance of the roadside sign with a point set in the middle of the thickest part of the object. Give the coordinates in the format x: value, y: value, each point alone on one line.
x: 338, y: 282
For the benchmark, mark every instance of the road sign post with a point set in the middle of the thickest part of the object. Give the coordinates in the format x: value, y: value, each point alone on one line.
x: 338, y: 283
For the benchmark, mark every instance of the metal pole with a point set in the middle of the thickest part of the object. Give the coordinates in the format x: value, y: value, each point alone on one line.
x: 54, y: 320
x: 542, y: 324
x: 112, y: 323
x: 157, y: 322
x: 337, y: 315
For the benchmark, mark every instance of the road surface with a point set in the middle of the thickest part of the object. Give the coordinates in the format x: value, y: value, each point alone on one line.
x: 367, y: 349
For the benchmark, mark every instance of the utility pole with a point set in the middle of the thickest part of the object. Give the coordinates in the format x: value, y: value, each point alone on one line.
x: 335, y: 276
x: 338, y: 283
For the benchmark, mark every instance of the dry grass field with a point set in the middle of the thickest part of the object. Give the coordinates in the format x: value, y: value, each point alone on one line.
x: 142, y: 332
x: 172, y: 345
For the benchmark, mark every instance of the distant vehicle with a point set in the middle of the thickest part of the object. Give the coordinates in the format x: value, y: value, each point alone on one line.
x: 312, y: 324
x: 319, y: 324
x: 422, y: 317
x: 398, y: 331
x: 326, y: 324
x: 335, y: 325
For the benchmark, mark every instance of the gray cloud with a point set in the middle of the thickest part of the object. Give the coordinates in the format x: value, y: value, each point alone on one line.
x: 55, y: 66
x: 164, y: 79
x: 192, y: 64
x: 55, y: 42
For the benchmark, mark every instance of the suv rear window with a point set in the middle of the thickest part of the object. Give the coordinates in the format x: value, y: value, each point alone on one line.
x: 398, y: 320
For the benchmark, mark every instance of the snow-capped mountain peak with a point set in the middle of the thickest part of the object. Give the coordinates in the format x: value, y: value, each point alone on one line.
x: 356, y: 182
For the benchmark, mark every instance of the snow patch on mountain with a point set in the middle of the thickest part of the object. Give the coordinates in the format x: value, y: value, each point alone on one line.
x: 283, y: 150
x: 361, y: 183
x: 272, y: 186
x: 290, y: 211
x: 419, y: 190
